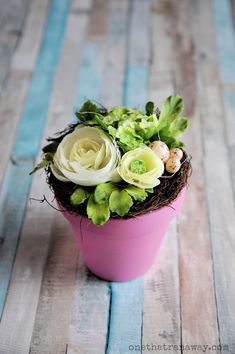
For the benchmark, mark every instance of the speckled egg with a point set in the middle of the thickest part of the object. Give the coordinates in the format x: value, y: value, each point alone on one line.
x: 173, y: 165
x: 160, y: 149
x: 176, y: 153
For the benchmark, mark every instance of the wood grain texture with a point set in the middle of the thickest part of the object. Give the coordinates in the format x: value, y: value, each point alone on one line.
x: 11, y: 216
x: 90, y: 306
x: 126, y: 300
x: 58, y: 282
x: 194, y: 242
x: 23, y: 293
x: 15, y: 89
x: 12, y: 19
x: 218, y: 185
x: 226, y: 62
x: 161, y: 311
x: 29, y: 131
x: 183, y: 53
x: 137, y: 63
x: 115, y: 54
x: 125, y: 317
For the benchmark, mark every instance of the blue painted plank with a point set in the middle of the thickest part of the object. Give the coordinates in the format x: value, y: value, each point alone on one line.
x: 13, y: 196
x: 135, y: 95
x: 35, y: 110
x: 126, y: 305
x: 125, y: 322
x: 90, y: 75
x: 12, y: 205
x: 225, y: 39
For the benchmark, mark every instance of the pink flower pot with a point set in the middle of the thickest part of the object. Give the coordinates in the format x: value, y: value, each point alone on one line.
x: 123, y: 249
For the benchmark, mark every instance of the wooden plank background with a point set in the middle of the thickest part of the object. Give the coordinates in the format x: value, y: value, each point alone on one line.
x: 53, y: 55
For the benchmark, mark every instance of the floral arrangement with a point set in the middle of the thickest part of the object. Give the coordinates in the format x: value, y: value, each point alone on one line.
x: 111, y: 161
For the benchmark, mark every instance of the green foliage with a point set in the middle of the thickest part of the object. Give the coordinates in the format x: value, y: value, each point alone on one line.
x: 172, y: 107
x: 47, y: 160
x: 137, y: 193
x: 88, y: 111
x: 79, y: 196
x: 138, y: 166
x: 149, y: 108
x: 171, y: 124
x: 120, y: 202
x: 103, y: 192
x: 52, y: 147
x: 98, y: 213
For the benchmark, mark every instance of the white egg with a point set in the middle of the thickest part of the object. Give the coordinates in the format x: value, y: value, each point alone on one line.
x: 177, y: 153
x: 173, y: 165
x: 160, y: 149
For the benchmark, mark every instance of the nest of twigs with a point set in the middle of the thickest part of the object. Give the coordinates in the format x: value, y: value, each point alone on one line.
x: 164, y: 194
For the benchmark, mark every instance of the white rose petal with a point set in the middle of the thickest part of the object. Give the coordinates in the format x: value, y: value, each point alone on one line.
x: 86, y: 157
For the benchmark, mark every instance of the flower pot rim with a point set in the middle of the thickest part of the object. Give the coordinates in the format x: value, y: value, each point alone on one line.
x: 124, y: 220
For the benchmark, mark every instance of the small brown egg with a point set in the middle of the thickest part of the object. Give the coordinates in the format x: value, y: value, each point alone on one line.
x: 173, y: 165
x: 160, y: 149
x: 176, y: 153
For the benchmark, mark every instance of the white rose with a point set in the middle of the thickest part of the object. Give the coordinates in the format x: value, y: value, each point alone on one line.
x: 141, y: 167
x: 86, y: 157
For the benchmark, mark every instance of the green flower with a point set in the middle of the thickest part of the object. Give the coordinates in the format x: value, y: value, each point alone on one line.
x: 141, y: 168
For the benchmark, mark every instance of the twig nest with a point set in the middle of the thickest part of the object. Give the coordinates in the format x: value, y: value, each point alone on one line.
x: 173, y: 165
x: 176, y: 153
x: 160, y: 149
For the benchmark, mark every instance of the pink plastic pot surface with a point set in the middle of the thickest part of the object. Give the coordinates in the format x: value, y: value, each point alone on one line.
x: 123, y: 249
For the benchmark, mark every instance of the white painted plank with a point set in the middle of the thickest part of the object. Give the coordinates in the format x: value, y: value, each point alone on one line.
x: 217, y: 180
x: 12, y: 19
x: 23, y: 295
x: 161, y: 308
x: 90, y: 307
x: 15, y: 89
x: 195, y: 263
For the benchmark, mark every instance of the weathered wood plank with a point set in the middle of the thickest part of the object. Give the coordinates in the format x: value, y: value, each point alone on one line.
x: 125, y: 320
x: 183, y: 51
x: 161, y: 308
x: 12, y: 18
x: 136, y: 82
x: 58, y: 284
x: 31, y: 257
x: 12, y: 213
x: 161, y: 312
x: 19, y: 312
x: 195, y: 264
x: 91, y: 296
x: 218, y: 183
x: 20, y: 71
x: 226, y: 54
x: 92, y: 64
x: 125, y: 317
x: 28, y: 137
x: 115, y: 49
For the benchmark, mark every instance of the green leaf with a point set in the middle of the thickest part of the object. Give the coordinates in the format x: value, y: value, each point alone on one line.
x: 149, y: 190
x: 103, y: 192
x: 98, y: 213
x: 179, y: 126
x: 149, y: 108
x: 136, y: 193
x: 79, y: 196
x: 176, y: 144
x: 52, y: 147
x: 120, y: 202
x: 87, y: 111
x: 172, y: 107
x: 47, y: 160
